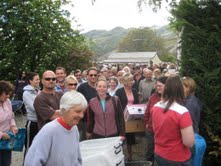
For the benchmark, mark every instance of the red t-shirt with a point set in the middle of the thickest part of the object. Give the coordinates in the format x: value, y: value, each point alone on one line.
x: 167, y: 134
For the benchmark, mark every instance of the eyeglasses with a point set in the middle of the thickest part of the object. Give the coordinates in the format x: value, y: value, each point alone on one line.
x: 93, y: 75
x: 77, y: 75
x: 72, y: 84
x: 49, y: 79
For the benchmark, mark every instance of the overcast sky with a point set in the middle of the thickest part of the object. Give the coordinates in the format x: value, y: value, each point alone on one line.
x: 107, y: 14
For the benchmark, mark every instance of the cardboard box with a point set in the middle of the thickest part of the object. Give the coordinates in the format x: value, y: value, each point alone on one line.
x: 134, y: 126
x: 134, y: 112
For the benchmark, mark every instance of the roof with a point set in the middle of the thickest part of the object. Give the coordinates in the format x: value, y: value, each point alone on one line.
x: 130, y: 57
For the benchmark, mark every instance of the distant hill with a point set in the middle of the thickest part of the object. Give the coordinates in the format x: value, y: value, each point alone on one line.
x: 104, y: 42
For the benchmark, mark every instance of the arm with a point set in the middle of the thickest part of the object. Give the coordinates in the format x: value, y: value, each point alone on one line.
x: 90, y: 121
x: 28, y: 101
x: 188, y: 136
x: 120, y: 115
x: 147, y: 114
x: 44, y: 110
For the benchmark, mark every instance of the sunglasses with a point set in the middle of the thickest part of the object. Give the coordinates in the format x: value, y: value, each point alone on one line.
x: 78, y: 75
x: 74, y: 84
x: 49, y: 79
x: 93, y: 75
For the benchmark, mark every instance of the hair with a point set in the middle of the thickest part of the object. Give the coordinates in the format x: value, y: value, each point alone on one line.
x: 162, y: 79
x: 60, y: 68
x: 189, y: 83
x: 126, y: 77
x: 126, y: 69
x: 91, y: 68
x: 113, y: 70
x: 6, y: 86
x: 70, y: 77
x: 77, y: 71
x: 173, y: 91
x: 114, y: 79
x: 72, y: 98
x: 101, y: 78
x: 30, y: 76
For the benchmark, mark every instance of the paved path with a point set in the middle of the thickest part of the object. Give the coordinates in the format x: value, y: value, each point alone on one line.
x: 138, y: 149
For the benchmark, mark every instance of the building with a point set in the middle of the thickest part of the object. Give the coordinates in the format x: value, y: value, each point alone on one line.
x: 132, y: 57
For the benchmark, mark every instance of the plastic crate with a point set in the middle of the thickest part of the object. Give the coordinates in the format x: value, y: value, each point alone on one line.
x: 102, y: 152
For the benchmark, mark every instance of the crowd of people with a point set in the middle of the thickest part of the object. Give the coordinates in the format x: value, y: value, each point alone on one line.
x: 69, y: 108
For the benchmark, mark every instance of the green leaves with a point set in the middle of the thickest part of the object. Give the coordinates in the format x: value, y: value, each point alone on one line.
x: 201, y: 58
x: 35, y: 35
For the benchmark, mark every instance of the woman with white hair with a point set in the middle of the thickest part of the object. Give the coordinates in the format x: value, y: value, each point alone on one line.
x: 57, y: 143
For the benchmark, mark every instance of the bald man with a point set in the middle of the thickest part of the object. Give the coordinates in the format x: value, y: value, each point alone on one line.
x: 46, y: 104
x: 146, y: 86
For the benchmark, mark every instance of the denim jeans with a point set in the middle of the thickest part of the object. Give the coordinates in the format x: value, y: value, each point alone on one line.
x: 5, y: 157
x: 164, y: 162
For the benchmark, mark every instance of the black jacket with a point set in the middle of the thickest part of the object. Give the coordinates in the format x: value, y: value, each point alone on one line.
x: 123, y: 97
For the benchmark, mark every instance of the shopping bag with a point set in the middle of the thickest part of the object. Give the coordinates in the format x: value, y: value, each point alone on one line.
x: 16, y: 142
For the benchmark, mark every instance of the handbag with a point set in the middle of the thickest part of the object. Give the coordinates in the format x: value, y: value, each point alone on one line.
x: 199, y: 150
x: 16, y: 142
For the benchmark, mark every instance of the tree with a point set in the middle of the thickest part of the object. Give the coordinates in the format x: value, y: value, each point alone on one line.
x: 141, y: 40
x: 200, y: 24
x: 35, y: 36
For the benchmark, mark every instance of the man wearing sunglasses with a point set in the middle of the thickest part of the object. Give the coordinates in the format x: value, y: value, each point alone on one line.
x: 46, y: 104
x: 88, y: 90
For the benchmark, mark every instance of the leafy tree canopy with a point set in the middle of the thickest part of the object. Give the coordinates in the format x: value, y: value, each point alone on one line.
x: 35, y: 36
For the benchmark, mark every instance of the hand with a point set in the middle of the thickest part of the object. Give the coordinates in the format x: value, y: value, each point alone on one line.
x: 88, y: 135
x: 5, y: 136
x: 14, y: 129
x: 122, y: 138
x: 146, y: 126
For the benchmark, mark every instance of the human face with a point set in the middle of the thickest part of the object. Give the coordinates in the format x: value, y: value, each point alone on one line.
x: 148, y: 74
x: 78, y: 76
x: 92, y: 76
x: 71, y: 85
x: 130, y: 82
x: 60, y: 74
x: 101, y: 88
x: 4, y: 96
x: 160, y: 87
x: 35, y: 82
x: 73, y: 115
x: 112, y: 85
x: 48, y: 80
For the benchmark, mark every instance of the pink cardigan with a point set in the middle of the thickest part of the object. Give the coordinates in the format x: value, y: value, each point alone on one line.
x: 6, y: 117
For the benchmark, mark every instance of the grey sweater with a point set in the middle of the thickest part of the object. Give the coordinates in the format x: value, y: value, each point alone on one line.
x: 29, y: 96
x: 55, y: 146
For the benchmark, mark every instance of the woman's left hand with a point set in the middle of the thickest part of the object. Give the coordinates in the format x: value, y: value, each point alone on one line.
x: 14, y: 129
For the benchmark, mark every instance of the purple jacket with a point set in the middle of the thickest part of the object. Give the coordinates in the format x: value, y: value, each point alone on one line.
x: 104, y: 123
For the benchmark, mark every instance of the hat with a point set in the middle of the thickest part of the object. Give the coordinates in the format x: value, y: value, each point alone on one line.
x: 162, y: 79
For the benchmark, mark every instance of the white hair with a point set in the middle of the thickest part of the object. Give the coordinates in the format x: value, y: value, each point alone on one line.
x: 72, y: 98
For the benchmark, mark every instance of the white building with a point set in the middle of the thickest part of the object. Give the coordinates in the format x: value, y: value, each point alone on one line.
x: 132, y: 57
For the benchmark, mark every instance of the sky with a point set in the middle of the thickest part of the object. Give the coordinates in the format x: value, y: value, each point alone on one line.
x: 108, y: 14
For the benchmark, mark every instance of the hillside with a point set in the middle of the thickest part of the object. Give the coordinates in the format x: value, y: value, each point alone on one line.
x: 103, y: 42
